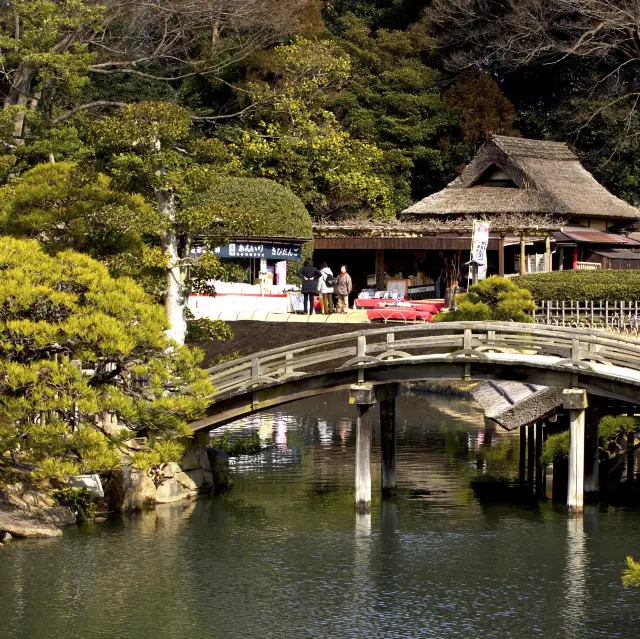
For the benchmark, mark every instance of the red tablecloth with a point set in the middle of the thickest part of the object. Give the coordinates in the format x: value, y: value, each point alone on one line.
x: 425, y: 306
x: 399, y: 314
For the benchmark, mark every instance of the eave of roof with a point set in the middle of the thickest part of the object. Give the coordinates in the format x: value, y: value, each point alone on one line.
x: 549, y: 177
x: 592, y: 236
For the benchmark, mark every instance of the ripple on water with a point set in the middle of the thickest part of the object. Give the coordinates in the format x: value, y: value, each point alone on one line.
x: 283, y: 554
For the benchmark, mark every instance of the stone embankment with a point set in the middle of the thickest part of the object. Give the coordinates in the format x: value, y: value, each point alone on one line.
x: 28, y: 511
x: 201, y: 471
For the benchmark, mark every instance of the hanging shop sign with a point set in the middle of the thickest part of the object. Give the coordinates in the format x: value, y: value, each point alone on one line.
x: 258, y: 250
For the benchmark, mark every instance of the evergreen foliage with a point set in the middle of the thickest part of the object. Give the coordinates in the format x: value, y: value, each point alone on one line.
x: 631, y: 574
x: 582, y: 285
x: 63, y: 313
x: 555, y: 447
x: 65, y: 208
x: 495, y: 298
x: 291, y: 135
x: 395, y: 102
x: 610, y: 428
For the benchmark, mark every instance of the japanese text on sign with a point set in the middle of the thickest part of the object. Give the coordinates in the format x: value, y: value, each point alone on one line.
x: 239, y: 250
x: 479, y: 242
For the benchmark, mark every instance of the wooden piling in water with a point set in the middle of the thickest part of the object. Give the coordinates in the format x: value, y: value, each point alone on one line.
x: 388, y: 446
x: 575, y: 401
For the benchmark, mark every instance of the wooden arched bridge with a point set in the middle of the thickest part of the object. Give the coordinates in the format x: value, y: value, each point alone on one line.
x: 371, y: 363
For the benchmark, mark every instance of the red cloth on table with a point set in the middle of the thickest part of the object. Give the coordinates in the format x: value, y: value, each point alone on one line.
x: 401, y: 314
x: 420, y: 305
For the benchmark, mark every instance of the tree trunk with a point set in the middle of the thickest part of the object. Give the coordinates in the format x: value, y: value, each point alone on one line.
x: 19, y: 95
x: 175, y: 298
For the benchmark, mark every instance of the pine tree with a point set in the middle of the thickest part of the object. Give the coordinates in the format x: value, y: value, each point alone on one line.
x: 85, y: 367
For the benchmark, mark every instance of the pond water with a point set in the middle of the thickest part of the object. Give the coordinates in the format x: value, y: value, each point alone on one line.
x: 284, y: 555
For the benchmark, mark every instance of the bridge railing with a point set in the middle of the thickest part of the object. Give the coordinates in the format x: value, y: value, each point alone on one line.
x: 453, y: 340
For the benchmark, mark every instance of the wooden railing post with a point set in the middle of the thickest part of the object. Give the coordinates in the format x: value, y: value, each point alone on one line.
x: 361, y: 352
x: 467, y: 339
x: 575, y: 349
x: 255, y: 368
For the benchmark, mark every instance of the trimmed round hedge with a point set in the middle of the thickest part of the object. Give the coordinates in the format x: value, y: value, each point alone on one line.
x: 582, y: 285
x: 262, y: 208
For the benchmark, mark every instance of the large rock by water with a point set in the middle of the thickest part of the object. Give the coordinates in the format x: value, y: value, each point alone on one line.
x: 36, y: 503
x: 26, y: 497
x: 175, y: 484
x: 19, y: 523
x: 130, y: 489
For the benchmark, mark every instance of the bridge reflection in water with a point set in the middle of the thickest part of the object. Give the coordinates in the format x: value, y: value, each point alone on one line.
x: 371, y: 364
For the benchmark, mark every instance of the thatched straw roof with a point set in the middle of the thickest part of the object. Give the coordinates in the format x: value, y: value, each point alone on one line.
x: 502, y: 223
x: 513, y: 404
x: 516, y: 175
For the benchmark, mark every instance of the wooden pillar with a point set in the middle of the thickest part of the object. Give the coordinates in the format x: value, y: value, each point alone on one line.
x: 574, y: 259
x: 531, y: 453
x: 539, y: 470
x: 575, y: 401
x: 380, y: 269
x: 523, y: 266
x: 388, y: 446
x: 523, y: 454
x: 364, y: 397
x: 363, y: 458
x: 591, y: 460
x: 201, y: 439
x: 547, y: 253
x: 501, y: 256
x: 561, y: 258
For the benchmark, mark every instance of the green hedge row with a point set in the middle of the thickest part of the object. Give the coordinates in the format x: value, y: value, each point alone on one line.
x: 582, y: 285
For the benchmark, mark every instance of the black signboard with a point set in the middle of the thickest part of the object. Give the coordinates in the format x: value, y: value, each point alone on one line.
x: 259, y: 250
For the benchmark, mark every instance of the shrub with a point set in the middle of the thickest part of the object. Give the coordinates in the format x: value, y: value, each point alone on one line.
x: 260, y: 207
x: 609, y: 429
x: 495, y: 298
x: 207, y: 330
x: 582, y: 285
x: 80, y: 500
x: 556, y: 447
x: 250, y: 445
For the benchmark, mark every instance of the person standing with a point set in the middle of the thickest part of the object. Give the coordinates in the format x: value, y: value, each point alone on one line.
x: 327, y: 283
x: 344, y: 287
x: 309, y: 275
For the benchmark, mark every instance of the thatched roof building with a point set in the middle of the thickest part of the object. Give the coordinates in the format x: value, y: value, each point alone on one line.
x: 517, y: 175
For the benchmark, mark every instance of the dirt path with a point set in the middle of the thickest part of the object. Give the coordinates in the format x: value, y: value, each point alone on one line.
x: 253, y: 337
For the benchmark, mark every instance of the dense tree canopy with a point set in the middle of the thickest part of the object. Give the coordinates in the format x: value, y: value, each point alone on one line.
x: 66, y: 313
x: 357, y: 107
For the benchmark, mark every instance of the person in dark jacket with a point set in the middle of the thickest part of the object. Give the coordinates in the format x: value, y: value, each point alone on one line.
x: 309, y: 275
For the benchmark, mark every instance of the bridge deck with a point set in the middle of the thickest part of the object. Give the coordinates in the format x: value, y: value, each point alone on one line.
x: 602, y: 363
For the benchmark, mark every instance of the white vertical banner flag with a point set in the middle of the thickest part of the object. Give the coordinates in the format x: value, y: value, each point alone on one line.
x: 479, y: 243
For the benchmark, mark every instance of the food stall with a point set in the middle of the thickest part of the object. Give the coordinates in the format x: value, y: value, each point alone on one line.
x: 262, y: 288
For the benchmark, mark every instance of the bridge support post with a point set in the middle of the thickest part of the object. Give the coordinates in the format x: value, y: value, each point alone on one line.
x: 531, y: 443
x: 591, y: 460
x: 388, y: 446
x: 523, y: 454
x: 201, y: 439
x: 364, y: 397
x: 539, y: 470
x: 575, y: 401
